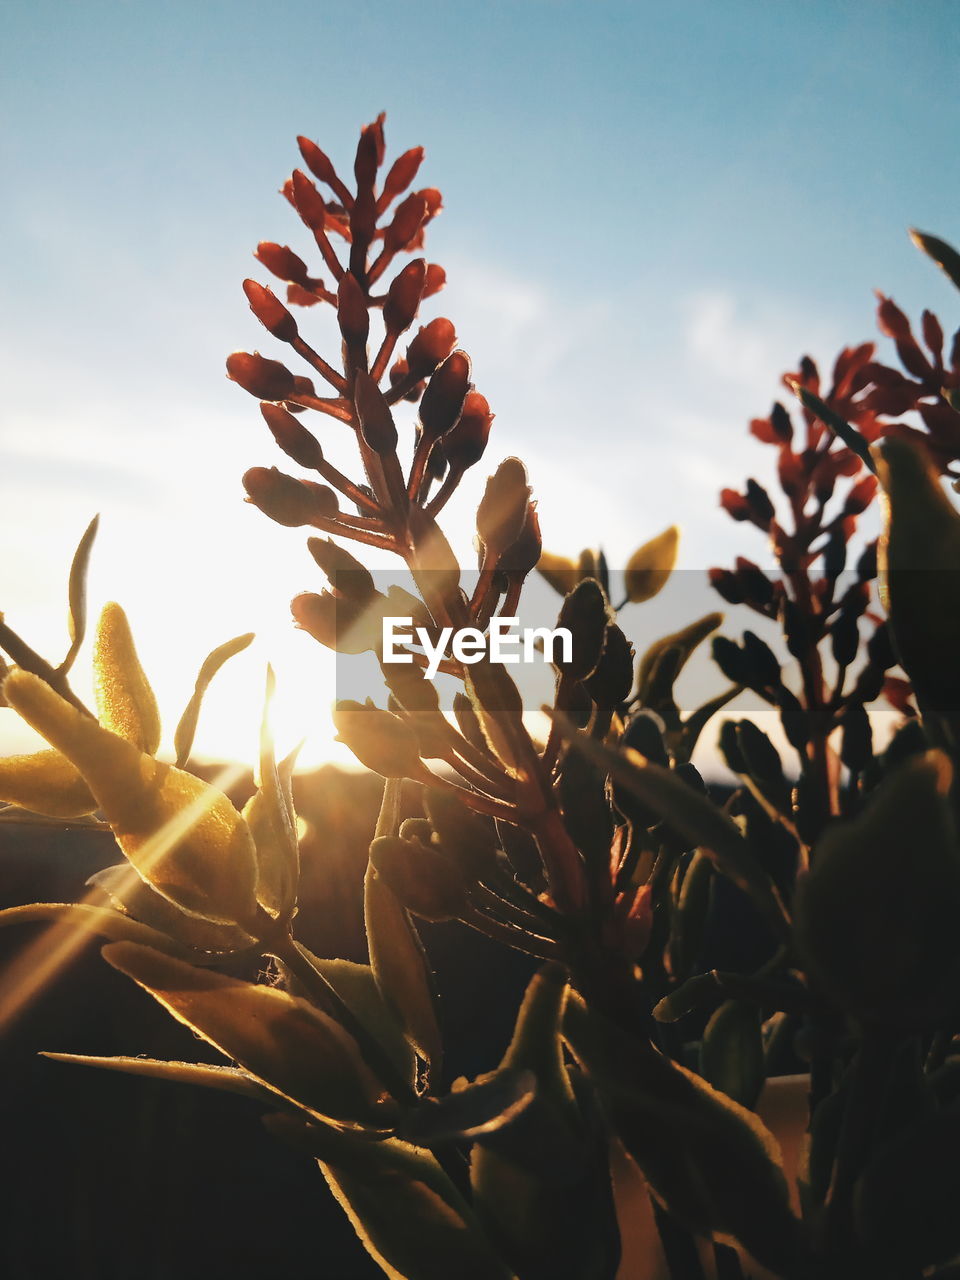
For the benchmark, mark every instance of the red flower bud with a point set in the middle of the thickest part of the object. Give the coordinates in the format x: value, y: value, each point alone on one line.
x: 425, y: 880
x: 292, y: 436
x: 727, y: 585
x: 503, y: 508
x: 933, y: 335
x: 289, y: 501
x: 317, y: 162
x: 346, y: 574
x: 308, y: 201
x: 735, y: 504
x: 380, y: 740
x: 270, y: 311
x: 436, y: 279
x: 265, y: 379
x: 376, y: 420
x: 465, y: 443
x: 281, y: 261
x: 402, y: 173
x: 298, y: 297
x: 368, y: 158
x: 861, y: 495
x: 432, y: 344
x: 407, y: 221
x: 442, y: 402
x: 404, y: 297
x: 523, y: 555
x: 352, y: 314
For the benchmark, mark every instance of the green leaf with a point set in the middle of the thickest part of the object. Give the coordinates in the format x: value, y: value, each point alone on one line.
x: 731, y: 1052
x: 270, y: 815
x: 850, y: 436
x: 472, y: 1110
x: 693, y: 815
x: 132, y: 895
x: 125, y: 700
x: 225, y: 1079
x: 943, y: 254
x: 650, y: 566
x: 101, y: 922
x: 687, y: 639
x: 712, y: 1162
x: 357, y: 987
x: 877, y: 912
x: 187, y: 728
x: 396, y: 953
x: 45, y: 782
x: 542, y: 1185
x: 77, y: 595
x: 282, y: 1041
x: 408, y: 1214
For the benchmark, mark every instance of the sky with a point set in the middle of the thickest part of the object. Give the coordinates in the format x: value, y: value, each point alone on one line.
x: 651, y: 212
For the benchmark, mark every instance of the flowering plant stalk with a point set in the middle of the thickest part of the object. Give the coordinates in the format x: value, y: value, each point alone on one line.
x: 599, y: 851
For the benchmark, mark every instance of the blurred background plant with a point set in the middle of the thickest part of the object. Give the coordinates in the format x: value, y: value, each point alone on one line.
x: 685, y: 946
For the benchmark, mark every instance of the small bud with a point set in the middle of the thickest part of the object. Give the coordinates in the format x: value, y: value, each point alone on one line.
x: 270, y: 311
x: 761, y: 508
x: 610, y: 683
x: 373, y: 412
x: 292, y: 436
x: 404, y: 297
x: 338, y: 622
x: 281, y: 261
x: 317, y: 162
x: 523, y: 555
x: 426, y: 882
x: 727, y: 584
x: 443, y: 399
x: 503, y: 507
x: 308, y: 201
x: 289, y: 501
x: 585, y: 614
x: 346, y: 575
x: 761, y: 666
x: 465, y: 443
x: 265, y: 379
x: 380, y: 741
x: 407, y: 221
x: 368, y: 156
x: 402, y: 172
x: 436, y: 279
x: 861, y: 495
x: 432, y: 344
x: 352, y: 314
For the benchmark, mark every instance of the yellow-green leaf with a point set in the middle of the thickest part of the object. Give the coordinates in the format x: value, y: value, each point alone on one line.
x: 131, y: 894
x: 101, y: 922
x: 408, y: 1214
x: 206, y: 1076
x: 187, y: 727
x: 182, y: 835
x: 541, y: 1185
x: 562, y: 574
x: 77, y: 594
x: 270, y: 816
x: 712, y: 1162
x: 125, y: 701
x: 651, y: 565
x: 45, y: 782
x: 280, y: 1040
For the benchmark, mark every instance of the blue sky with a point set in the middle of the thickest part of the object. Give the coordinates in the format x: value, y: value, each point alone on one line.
x: 651, y: 212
